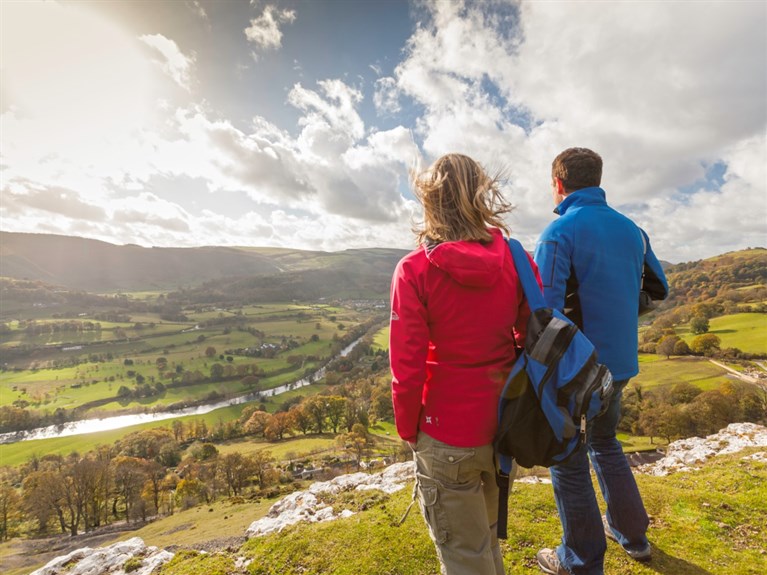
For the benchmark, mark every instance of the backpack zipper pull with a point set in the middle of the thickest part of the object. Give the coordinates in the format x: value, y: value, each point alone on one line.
x: 583, y: 428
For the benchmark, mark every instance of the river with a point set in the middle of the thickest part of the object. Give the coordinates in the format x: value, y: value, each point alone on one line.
x: 120, y: 421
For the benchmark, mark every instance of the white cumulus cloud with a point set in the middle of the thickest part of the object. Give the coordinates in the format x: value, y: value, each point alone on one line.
x: 265, y: 32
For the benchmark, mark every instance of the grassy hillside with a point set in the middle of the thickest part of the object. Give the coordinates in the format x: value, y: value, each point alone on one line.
x: 695, y: 530
x: 705, y: 522
x: 95, y: 266
x: 713, y: 277
x: 655, y: 371
x: 745, y: 331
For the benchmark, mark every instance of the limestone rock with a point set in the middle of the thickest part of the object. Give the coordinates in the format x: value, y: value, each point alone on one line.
x: 683, y: 454
x: 107, y: 560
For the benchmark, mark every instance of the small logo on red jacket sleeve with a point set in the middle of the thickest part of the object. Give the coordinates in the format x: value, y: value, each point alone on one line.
x: 394, y: 316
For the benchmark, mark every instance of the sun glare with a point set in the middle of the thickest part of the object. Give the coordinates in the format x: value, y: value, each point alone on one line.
x: 76, y: 72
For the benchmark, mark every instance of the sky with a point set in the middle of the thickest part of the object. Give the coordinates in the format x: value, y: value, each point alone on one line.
x: 298, y: 123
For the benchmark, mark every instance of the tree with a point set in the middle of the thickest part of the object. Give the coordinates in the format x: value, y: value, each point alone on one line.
x: 317, y: 409
x: 10, y: 510
x: 706, y: 344
x: 714, y: 409
x: 216, y: 371
x: 250, y: 382
x: 155, y: 473
x: 258, y: 423
x: 189, y: 492
x: 357, y: 442
x: 280, y: 424
x: 203, y: 451
x: 335, y: 408
x: 178, y: 430
x: 667, y: 345
x: 83, y: 483
x: 210, y: 351
x: 699, y: 324
x: 157, y: 443
x: 681, y: 348
x: 236, y: 469
x: 302, y: 419
x: 129, y: 477
x: 381, y: 407
x: 43, y: 499
x: 684, y: 392
x: 262, y: 463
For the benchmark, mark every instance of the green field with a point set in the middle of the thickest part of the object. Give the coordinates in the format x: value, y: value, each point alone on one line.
x: 745, y: 331
x: 655, y: 371
x: 50, y: 381
x: 13, y: 454
x: 381, y: 339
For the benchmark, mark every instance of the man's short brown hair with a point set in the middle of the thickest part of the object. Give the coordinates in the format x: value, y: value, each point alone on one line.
x: 578, y: 168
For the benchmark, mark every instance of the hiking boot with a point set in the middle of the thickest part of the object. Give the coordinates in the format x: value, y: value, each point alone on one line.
x: 549, y: 562
x: 644, y: 554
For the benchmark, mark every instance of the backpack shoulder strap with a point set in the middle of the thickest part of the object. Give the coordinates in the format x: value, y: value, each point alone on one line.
x: 526, y: 276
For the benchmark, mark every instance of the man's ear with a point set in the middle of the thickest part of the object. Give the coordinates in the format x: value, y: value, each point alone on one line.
x: 560, y: 190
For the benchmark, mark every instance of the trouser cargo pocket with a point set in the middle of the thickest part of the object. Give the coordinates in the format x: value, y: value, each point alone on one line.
x: 428, y: 497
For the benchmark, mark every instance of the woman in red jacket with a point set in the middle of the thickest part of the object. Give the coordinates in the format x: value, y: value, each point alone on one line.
x: 456, y: 301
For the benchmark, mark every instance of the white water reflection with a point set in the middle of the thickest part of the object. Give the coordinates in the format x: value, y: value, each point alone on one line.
x: 120, y: 421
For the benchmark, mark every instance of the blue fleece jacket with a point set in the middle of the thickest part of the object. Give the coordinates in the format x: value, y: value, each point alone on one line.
x: 598, y: 253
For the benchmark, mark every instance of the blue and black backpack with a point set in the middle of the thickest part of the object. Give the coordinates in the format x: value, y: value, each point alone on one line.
x: 554, y: 389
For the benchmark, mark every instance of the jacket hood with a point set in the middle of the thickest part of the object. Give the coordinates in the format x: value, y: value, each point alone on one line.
x: 471, y: 263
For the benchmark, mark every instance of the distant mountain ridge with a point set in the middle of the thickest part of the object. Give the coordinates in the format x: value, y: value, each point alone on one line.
x: 96, y: 266
x: 281, y: 274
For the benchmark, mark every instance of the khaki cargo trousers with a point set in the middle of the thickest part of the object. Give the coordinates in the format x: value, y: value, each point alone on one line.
x: 458, y: 497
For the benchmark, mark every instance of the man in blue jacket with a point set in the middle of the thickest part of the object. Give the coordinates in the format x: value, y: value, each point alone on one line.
x: 591, y: 260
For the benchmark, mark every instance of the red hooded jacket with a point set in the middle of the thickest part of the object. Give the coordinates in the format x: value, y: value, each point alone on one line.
x: 454, y: 308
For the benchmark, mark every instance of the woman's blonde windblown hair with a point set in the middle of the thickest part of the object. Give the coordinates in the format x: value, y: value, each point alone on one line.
x: 459, y: 201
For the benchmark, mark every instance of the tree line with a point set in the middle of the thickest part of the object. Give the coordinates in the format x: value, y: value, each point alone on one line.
x: 685, y: 410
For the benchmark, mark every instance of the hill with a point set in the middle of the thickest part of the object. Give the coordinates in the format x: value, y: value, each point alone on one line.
x: 735, y: 276
x: 706, y: 500
x: 95, y: 266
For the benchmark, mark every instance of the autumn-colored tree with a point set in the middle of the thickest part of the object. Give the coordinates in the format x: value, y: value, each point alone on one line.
x: 43, y: 498
x: 357, y: 442
x: 706, y: 344
x: 666, y: 345
x: 681, y: 348
x: 316, y: 407
x: 236, y: 470
x: 190, y: 492
x: 258, y: 423
x: 280, y: 424
x: 262, y: 467
x: 684, y: 392
x: 301, y: 418
x: 129, y: 477
x: 10, y: 510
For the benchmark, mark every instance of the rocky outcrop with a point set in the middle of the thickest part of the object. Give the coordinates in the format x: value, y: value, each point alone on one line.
x: 113, y: 559
x: 305, y: 506
x: 684, y: 454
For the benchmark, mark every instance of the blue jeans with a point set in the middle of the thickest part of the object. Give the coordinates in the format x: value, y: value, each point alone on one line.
x: 583, y: 546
